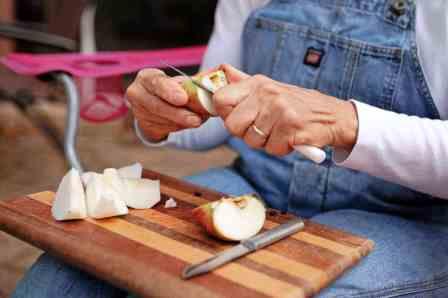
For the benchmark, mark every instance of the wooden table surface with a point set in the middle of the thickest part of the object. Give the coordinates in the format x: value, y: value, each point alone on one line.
x: 146, y: 251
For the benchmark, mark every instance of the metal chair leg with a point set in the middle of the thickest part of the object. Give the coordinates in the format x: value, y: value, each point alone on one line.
x: 72, y: 120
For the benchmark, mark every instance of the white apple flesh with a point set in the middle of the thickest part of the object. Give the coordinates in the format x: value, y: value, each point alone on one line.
x: 114, y: 181
x: 85, y: 177
x: 233, y: 219
x: 133, y: 171
x: 200, y: 100
x: 102, y: 200
x: 70, y: 201
x: 106, y: 194
x: 141, y: 193
x: 170, y: 203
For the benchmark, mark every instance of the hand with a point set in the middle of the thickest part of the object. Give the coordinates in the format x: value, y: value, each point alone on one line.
x: 287, y: 115
x: 157, y: 102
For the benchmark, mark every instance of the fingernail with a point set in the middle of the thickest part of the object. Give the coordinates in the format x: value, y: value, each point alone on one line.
x: 194, y: 121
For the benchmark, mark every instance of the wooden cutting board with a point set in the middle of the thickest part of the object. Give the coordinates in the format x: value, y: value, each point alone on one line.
x: 146, y: 250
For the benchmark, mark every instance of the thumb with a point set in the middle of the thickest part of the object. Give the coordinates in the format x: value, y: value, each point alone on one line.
x: 233, y: 74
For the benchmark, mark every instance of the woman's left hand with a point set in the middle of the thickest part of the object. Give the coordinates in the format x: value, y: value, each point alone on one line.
x: 276, y: 116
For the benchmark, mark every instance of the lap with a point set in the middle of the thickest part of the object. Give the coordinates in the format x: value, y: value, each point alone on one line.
x: 410, y: 258
x: 50, y: 277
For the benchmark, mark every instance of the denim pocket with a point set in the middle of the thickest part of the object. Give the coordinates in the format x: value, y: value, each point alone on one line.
x: 262, y: 46
x: 349, y: 68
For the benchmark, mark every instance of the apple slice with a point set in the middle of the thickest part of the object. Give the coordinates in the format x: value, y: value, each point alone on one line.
x: 141, y: 193
x: 102, y: 201
x: 232, y: 219
x: 70, y: 200
x: 86, y: 176
x: 133, y: 171
x: 114, y: 181
x: 170, y: 203
x: 200, y: 100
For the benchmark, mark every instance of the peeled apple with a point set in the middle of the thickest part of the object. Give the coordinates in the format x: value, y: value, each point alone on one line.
x: 133, y: 171
x: 141, y: 193
x: 200, y: 100
x: 102, y: 201
x: 85, y: 177
x: 232, y: 219
x: 70, y: 200
x: 113, y: 181
x: 105, y: 195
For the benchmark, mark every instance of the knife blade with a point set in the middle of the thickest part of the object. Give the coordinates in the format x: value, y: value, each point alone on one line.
x: 313, y: 153
x: 246, y: 246
x: 196, y: 82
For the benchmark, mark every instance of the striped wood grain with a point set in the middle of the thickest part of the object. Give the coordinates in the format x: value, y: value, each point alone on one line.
x: 146, y: 250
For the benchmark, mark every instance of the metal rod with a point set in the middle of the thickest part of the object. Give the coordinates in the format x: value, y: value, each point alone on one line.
x: 12, y: 31
x: 72, y: 120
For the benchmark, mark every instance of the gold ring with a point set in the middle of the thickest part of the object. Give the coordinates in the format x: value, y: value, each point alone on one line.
x: 259, y: 131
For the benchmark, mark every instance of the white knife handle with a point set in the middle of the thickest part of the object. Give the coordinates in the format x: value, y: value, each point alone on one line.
x: 312, y: 153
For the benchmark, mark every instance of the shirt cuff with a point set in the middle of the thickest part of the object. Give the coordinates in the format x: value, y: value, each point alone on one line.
x: 145, y: 141
x: 367, y: 124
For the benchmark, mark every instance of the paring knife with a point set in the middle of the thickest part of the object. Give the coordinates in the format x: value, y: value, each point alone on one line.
x: 245, y: 247
x: 196, y: 82
x: 311, y: 152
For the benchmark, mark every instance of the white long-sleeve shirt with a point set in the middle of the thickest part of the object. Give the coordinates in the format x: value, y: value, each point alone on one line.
x: 407, y: 150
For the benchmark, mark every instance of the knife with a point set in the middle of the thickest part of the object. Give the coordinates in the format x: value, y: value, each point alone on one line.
x: 311, y: 152
x: 246, y: 246
x: 196, y: 82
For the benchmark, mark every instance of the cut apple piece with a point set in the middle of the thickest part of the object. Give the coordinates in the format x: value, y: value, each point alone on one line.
x: 232, y: 219
x: 85, y: 177
x: 170, y: 203
x: 70, y: 200
x: 200, y: 100
x: 114, y: 181
x: 133, y: 171
x: 141, y: 193
x: 102, y: 200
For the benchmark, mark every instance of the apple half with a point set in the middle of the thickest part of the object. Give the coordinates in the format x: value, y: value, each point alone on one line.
x: 232, y: 219
x: 199, y: 100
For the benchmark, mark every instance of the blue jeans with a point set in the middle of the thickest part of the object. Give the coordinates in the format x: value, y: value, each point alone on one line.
x: 407, y: 260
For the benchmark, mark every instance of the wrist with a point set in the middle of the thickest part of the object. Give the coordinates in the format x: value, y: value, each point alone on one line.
x: 346, y: 130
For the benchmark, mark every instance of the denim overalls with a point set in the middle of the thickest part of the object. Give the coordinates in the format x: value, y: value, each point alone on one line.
x: 366, y: 51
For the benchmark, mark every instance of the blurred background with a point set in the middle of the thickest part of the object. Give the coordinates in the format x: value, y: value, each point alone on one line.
x: 33, y: 111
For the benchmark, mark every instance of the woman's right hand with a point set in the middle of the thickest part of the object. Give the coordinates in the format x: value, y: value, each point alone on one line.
x: 158, y: 103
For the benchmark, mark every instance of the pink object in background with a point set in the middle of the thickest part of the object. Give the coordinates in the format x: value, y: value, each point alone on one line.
x: 99, y: 75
